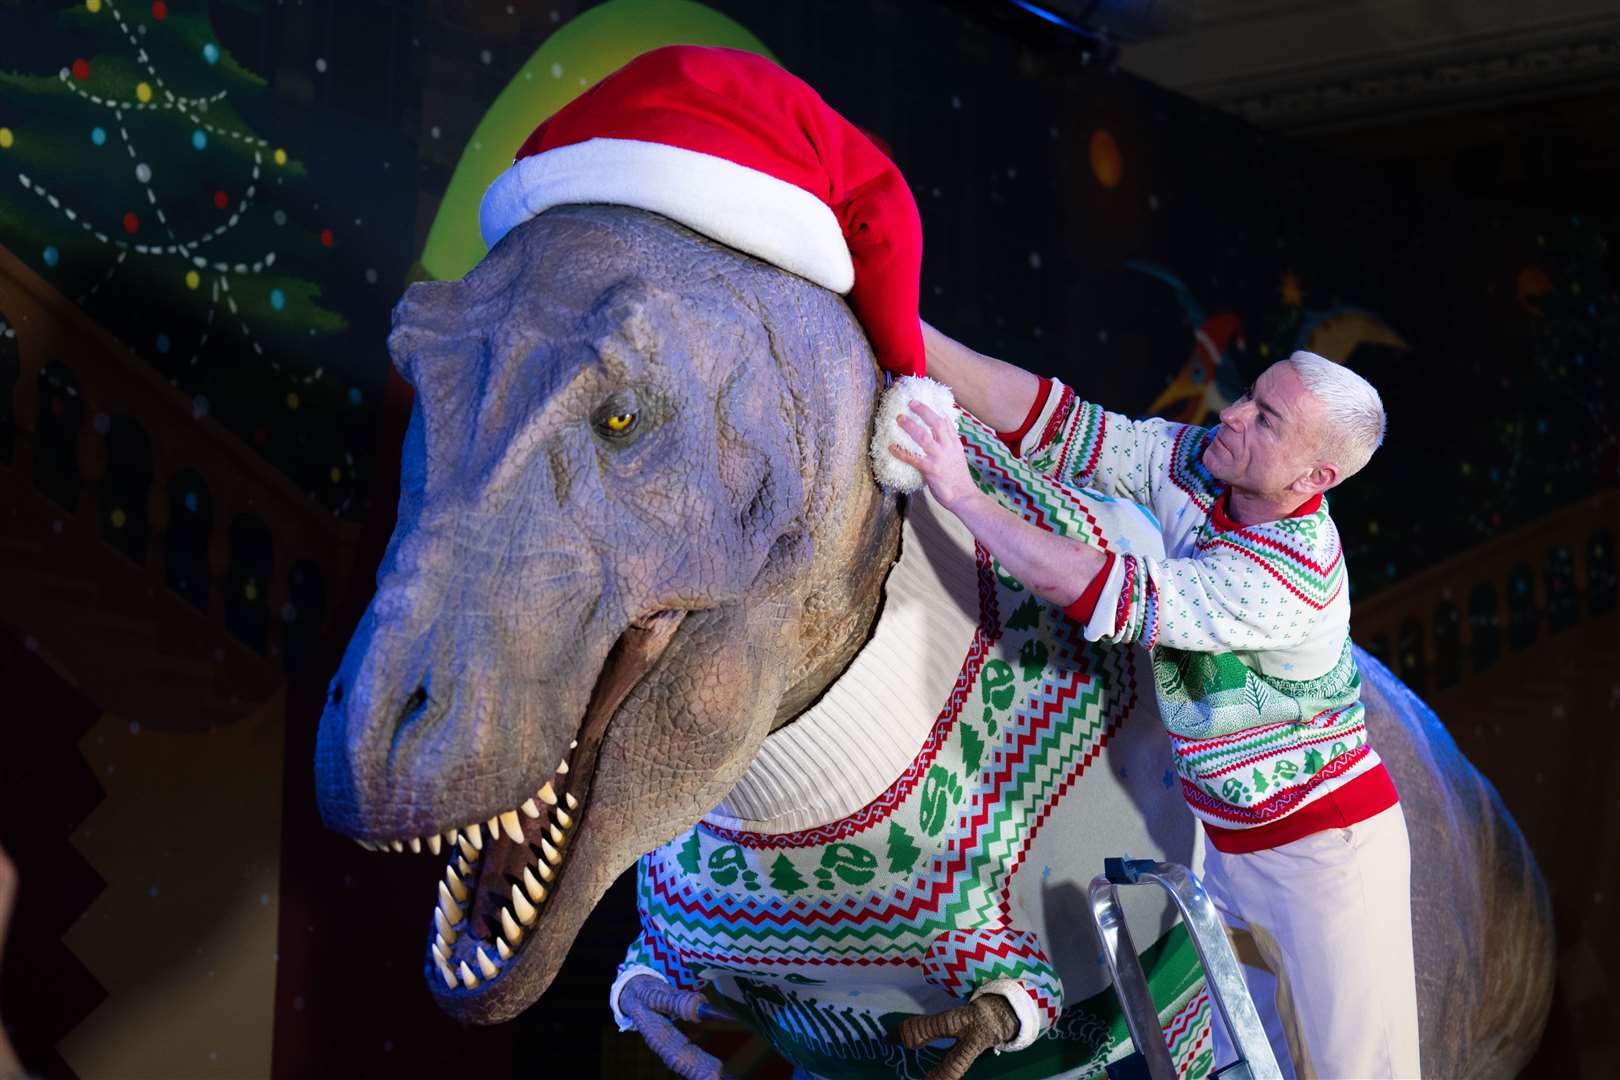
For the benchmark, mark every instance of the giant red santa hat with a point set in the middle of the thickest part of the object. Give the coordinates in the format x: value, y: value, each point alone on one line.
x: 730, y: 145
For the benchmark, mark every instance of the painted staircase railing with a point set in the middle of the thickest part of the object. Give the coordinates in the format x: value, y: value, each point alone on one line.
x: 147, y: 553
x: 1442, y: 627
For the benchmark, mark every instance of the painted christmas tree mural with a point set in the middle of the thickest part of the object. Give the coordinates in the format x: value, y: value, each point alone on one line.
x: 132, y: 184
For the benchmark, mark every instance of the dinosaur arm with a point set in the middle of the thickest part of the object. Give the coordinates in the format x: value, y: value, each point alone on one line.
x: 992, y: 966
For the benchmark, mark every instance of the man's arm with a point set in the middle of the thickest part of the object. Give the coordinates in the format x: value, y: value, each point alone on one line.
x: 1056, y: 568
x: 1248, y: 590
x: 995, y: 391
x: 1073, y: 441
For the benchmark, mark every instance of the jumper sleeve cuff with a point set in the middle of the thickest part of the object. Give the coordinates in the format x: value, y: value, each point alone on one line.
x: 1023, y: 1004
x: 629, y: 972
x: 1027, y: 438
x: 1109, y: 619
x: 1083, y: 608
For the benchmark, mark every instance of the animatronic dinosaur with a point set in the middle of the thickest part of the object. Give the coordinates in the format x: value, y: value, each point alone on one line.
x: 645, y: 602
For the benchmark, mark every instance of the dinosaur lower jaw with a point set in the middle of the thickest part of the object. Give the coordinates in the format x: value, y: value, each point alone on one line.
x: 503, y: 873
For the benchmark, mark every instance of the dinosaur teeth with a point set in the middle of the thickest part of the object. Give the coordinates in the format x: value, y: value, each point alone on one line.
x: 468, y: 979
x: 457, y: 888
x: 546, y: 873
x: 441, y: 955
x: 448, y: 905
x: 563, y: 819
x: 509, y: 824
x: 509, y: 928
x: 397, y: 845
x: 547, y: 795
x: 486, y: 965
x: 448, y: 976
x: 553, y: 856
x: 433, y: 843
x: 573, y: 803
x: 536, y: 891
x: 502, y: 948
x: 525, y: 911
x: 468, y: 852
x: 463, y: 867
x: 415, y: 843
x: 475, y: 835
x: 446, y: 931
x: 444, y: 946
x: 453, y: 835
x: 562, y: 766
x: 556, y: 834
x: 529, y: 808
x: 573, y: 744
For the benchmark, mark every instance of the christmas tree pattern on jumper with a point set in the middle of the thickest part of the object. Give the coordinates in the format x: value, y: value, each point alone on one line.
x: 130, y: 182
x: 909, y: 904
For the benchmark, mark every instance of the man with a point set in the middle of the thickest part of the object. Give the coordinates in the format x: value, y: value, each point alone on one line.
x: 1247, y: 622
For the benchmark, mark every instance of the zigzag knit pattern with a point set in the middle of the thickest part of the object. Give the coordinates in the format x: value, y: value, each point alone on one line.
x: 1229, y: 615
x: 824, y: 939
x: 959, y: 961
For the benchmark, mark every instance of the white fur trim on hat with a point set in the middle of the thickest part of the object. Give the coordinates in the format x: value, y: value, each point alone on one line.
x: 892, y: 473
x: 751, y: 211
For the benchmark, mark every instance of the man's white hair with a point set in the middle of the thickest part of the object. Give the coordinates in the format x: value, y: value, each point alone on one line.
x: 1352, y: 412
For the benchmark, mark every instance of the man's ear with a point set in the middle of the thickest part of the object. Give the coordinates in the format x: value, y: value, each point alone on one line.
x: 1320, y: 477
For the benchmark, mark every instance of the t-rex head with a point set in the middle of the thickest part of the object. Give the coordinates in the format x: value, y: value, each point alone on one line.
x: 636, y: 532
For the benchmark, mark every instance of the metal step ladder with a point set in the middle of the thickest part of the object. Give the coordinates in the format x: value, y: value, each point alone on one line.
x: 1151, y: 1059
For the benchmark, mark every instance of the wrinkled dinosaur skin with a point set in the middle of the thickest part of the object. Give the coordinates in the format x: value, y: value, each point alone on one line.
x: 530, y: 542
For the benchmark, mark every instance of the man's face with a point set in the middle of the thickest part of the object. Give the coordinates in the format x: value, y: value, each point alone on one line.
x: 1267, y: 438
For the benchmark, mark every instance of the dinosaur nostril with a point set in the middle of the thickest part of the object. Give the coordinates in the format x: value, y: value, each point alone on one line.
x: 413, y: 703
x: 337, y: 694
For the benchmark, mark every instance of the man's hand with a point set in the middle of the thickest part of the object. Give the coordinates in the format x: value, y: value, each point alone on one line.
x: 942, y: 462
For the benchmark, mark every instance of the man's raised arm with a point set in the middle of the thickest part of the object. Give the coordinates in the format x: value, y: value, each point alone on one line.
x: 993, y: 390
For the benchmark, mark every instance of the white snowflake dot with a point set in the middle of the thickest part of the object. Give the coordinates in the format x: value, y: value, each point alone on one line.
x: 556, y: 71
x: 434, y: 131
x: 371, y: 276
x: 485, y: 56
x: 320, y: 64
x: 143, y: 173
x: 1034, y: 260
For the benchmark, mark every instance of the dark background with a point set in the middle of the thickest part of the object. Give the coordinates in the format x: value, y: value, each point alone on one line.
x: 1484, y: 242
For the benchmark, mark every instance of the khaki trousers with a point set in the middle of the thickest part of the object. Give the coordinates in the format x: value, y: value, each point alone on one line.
x: 1323, y: 929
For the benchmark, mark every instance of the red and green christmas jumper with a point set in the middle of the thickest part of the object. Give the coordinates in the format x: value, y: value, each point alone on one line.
x: 1247, y: 626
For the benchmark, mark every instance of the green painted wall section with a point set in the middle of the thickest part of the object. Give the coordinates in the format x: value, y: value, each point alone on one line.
x: 587, y: 48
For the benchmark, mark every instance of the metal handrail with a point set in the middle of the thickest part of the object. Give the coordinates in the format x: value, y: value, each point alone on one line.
x: 1226, y: 983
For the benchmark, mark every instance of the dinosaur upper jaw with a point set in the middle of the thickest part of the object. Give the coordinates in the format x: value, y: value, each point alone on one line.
x: 508, y: 907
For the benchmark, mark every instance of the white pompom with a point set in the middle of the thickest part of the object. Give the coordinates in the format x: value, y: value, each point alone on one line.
x: 892, y: 473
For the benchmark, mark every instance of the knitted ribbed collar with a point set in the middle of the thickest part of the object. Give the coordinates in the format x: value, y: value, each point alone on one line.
x: 850, y: 746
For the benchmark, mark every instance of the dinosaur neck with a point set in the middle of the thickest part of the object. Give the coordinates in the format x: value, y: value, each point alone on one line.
x: 849, y: 746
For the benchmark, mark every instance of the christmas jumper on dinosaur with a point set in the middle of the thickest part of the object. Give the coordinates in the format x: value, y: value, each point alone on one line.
x: 923, y: 835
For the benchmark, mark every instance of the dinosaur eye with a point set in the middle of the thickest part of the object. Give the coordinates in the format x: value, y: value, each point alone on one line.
x: 619, y: 423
